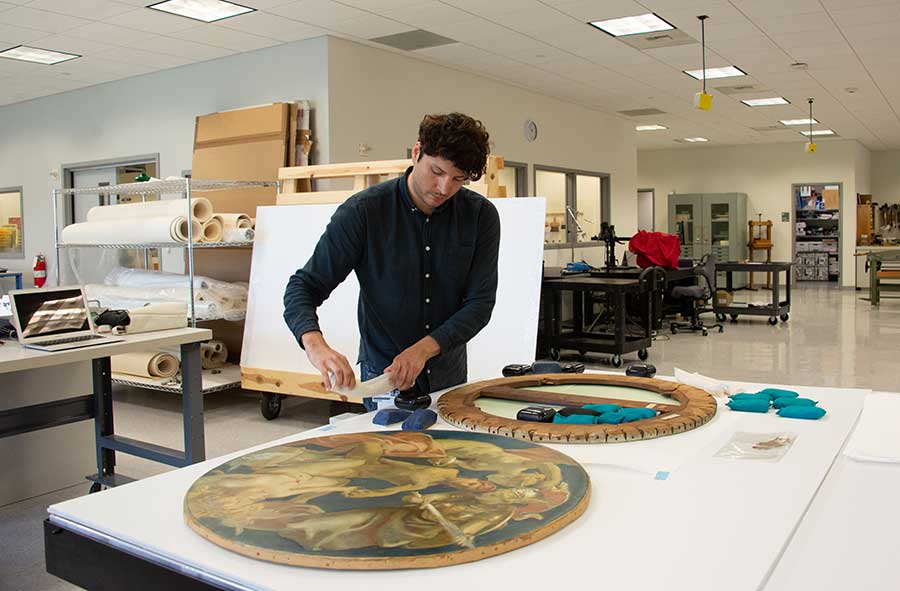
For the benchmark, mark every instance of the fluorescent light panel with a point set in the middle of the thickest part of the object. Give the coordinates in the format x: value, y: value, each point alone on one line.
x: 37, y: 55
x: 650, y: 127
x: 694, y: 140
x: 798, y: 121
x: 817, y: 132
x: 208, y: 11
x: 632, y: 25
x: 713, y: 73
x: 766, y: 102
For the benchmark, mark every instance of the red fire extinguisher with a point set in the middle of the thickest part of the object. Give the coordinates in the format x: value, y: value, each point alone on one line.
x: 40, y: 271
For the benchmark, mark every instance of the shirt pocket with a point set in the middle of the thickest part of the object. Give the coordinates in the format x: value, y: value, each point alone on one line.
x: 458, y: 263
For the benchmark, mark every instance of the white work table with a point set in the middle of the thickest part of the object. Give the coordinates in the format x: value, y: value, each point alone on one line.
x: 664, y: 514
x: 47, y: 397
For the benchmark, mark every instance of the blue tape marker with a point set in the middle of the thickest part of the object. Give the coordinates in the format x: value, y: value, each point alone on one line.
x: 661, y: 475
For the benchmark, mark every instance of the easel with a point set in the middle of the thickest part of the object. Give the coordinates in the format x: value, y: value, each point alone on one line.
x: 296, y: 187
x: 758, y: 242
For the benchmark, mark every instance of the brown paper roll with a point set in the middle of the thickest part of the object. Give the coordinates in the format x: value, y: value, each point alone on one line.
x: 147, y: 364
x: 213, y: 229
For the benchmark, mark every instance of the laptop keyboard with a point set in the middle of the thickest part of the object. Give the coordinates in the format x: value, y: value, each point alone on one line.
x: 88, y: 337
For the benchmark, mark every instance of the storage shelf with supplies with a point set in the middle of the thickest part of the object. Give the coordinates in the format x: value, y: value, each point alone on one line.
x: 183, y: 186
x: 214, y: 380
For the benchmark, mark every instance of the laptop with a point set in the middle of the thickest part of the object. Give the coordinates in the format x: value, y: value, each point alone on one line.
x: 54, y: 319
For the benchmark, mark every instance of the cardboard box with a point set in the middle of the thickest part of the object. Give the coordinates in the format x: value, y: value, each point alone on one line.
x: 831, y: 198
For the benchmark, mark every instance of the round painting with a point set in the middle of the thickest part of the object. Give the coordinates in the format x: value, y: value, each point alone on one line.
x: 387, y: 500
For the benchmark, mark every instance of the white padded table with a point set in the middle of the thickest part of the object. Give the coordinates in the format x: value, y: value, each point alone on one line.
x: 712, y: 524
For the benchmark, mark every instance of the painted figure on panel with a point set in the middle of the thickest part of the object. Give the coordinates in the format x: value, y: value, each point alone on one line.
x: 396, y: 492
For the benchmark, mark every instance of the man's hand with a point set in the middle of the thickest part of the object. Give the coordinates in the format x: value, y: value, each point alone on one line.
x: 328, y: 361
x: 408, y: 365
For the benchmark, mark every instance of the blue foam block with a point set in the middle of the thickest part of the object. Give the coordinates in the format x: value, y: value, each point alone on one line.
x: 787, y: 401
x: 802, y: 412
x: 389, y: 416
x: 420, y: 420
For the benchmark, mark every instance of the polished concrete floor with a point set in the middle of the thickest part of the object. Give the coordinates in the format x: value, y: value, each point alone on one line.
x: 833, y: 338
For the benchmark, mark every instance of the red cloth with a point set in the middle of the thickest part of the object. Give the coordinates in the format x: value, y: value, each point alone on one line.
x: 655, y: 249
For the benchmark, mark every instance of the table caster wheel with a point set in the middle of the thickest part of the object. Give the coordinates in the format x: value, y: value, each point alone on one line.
x: 95, y: 488
x: 721, y: 329
x: 784, y: 317
x: 705, y: 332
x: 270, y: 405
x: 617, y: 360
x: 673, y: 329
x: 734, y: 317
x: 643, y: 354
x: 554, y: 354
x: 773, y: 321
x: 582, y: 355
x: 720, y: 317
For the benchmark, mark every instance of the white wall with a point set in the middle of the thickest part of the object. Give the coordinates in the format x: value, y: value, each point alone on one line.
x: 886, y: 176
x: 765, y: 173
x: 379, y: 97
x: 153, y: 113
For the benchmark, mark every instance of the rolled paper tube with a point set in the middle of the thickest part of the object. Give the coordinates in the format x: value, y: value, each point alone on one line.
x: 179, y: 230
x: 238, y: 235
x: 201, y: 210
x: 127, y: 231
x: 213, y: 230
x: 148, y: 364
x: 235, y: 220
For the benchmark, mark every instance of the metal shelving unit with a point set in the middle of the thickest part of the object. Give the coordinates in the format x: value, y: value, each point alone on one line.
x: 229, y: 376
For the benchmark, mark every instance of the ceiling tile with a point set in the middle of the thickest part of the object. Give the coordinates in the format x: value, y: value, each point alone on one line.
x: 95, y: 10
x: 429, y: 15
x: 70, y: 44
x: 370, y: 27
x: 591, y: 10
x: 152, y: 21
x: 865, y: 15
x: 274, y: 26
x: 141, y: 57
x: 534, y: 20
x: 109, y: 33
x: 52, y: 22
x: 763, y: 9
x: 15, y: 35
x: 219, y: 36
x: 801, y: 25
x: 318, y: 12
x: 182, y: 48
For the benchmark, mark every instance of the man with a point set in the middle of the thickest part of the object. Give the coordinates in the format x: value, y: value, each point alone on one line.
x: 424, y: 250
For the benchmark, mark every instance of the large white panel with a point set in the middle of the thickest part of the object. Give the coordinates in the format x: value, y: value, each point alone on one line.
x: 286, y: 237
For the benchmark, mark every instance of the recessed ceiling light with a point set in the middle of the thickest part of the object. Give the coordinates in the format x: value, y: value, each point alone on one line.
x: 650, y: 127
x: 766, y: 102
x: 817, y: 132
x: 694, y: 140
x: 37, y: 55
x: 798, y: 121
x: 632, y: 25
x: 712, y: 73
x: 208, y: 11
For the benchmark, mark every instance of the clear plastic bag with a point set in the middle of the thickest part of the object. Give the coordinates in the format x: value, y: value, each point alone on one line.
x: 769, y: 447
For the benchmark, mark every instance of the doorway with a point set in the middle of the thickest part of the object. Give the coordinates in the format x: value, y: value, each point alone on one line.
x: 646, y: 202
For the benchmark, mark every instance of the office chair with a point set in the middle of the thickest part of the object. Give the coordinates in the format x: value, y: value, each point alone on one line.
x: 694, y: 297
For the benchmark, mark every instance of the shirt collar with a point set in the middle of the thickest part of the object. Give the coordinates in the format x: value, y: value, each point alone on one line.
x: 408, y: 202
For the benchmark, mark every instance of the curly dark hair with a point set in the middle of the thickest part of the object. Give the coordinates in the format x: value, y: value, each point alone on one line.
x: 459, y: 138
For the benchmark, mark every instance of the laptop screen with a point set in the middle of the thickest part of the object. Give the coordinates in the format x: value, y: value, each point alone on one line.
x: 43, y: 314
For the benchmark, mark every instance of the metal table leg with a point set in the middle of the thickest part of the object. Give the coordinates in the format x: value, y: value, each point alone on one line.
x: 192, y: 404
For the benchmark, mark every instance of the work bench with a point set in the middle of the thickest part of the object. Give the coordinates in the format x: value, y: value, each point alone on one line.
x: 47, y: 397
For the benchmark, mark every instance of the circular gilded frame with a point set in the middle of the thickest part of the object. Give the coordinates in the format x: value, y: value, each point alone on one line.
x: 691, y: 408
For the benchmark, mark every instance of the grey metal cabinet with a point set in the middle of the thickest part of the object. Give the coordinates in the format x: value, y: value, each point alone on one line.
x: 713, y: 223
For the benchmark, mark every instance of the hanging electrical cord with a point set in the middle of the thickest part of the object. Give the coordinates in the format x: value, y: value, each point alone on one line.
x: 810, y: 145
x: 702, y: 100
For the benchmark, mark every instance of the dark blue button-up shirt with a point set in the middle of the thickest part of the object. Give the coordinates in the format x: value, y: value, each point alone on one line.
x: 418, y: 275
